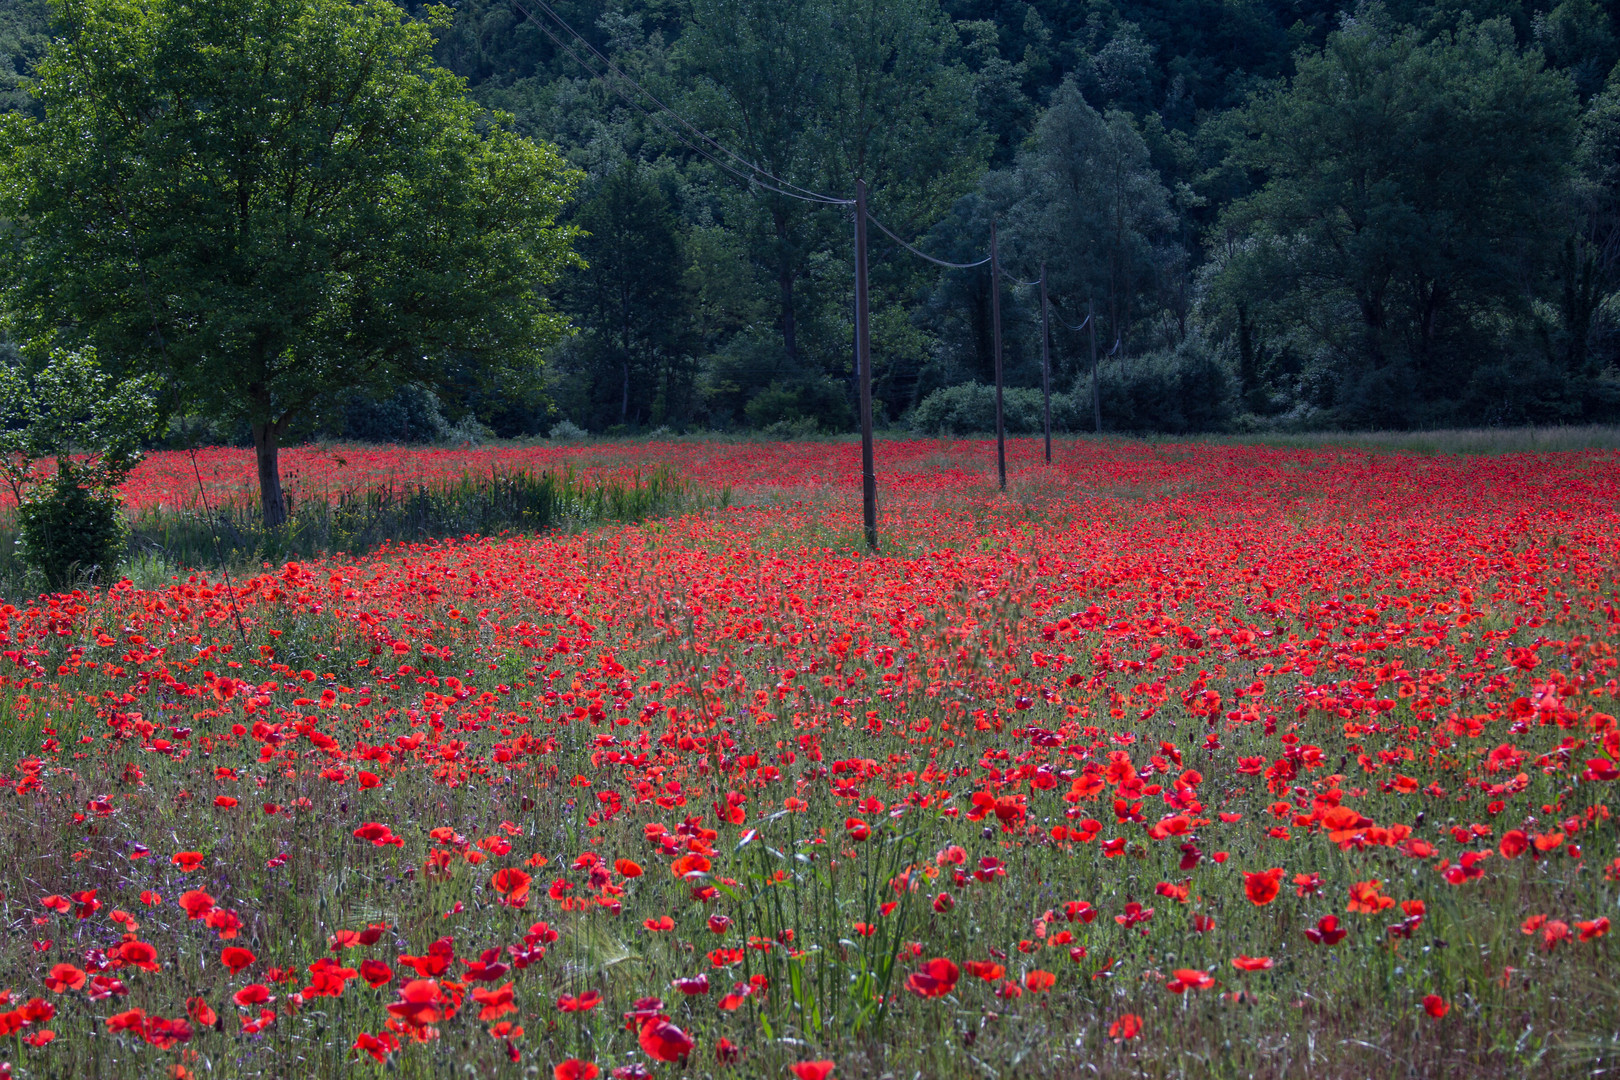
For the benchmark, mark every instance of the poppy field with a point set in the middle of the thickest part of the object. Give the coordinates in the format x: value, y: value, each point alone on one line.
x: 1168, y: 761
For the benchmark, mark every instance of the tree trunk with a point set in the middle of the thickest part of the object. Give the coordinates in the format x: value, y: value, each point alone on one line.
x: 266, y: 437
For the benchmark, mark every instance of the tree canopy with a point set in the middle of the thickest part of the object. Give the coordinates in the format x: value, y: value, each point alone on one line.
x: 274, y: 203
x: 1352, y: 212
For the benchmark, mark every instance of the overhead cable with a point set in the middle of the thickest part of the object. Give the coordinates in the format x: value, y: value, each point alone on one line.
x: 754, y: 172
x: 922, y: 254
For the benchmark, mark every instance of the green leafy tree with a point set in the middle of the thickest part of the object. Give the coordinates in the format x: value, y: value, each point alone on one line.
x: 819, y: 93
x: 275, y: 204
x: 90, y: 427
x: 1086, y: 199
x: 631, y: 302
x: 1404, y: 209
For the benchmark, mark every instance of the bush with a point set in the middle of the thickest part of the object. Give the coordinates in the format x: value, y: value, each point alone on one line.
x: 970, y: 408
x: 817, y: 401
x: 93, y: 425
x: 1177, y: 391
x: 72, y: 534
x: 566, y: 431
x: 410, y: 415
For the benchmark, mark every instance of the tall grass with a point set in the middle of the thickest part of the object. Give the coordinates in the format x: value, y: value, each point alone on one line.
x: 164, y: 541
x: 1458, y: 441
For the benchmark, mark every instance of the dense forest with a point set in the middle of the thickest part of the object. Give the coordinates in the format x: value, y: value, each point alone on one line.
x: 1278, y: 213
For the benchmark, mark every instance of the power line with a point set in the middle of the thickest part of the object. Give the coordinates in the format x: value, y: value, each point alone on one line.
x: 1066, y: 326
x: 754, y: 173
x: 924, y: 255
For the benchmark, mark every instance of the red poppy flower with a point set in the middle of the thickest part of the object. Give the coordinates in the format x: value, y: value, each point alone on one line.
x: 378, y: 1046
x: 936, y: 978
x: 187, y: 861
x: 575, y: 1069
x: 235, y: 958
x: 1252, y: 963
x: 198, y: 1010
x: 1128, y: 1026
x: 692, y: 863
x: 663, y: 1041
x: 1326, y: 931
x: 585, y: 1002
x: 1435, y: 1005
x: 1366, y: 897
x: 512, y: 885
x: 811, y: 1070
x: 1189, y: 979
x: 693, y: 986
x: 1262, y: 888
x: 251, y: 995
x: 197, y: 904
x: 376, y: 973
x: 419, y: 1003
x: 64, y: 977
x: 494, y: 1004
x: 138, y: 954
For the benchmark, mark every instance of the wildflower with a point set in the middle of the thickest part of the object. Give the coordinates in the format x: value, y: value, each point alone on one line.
x: 936, y: 978
x: 1262, y: 888
x: 1127, y: 1027
x: 663, y: 1041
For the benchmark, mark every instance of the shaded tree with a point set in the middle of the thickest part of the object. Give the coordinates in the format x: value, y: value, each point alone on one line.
x: 274, y: 203
x: 1404, y: 209
x: 631, y: 301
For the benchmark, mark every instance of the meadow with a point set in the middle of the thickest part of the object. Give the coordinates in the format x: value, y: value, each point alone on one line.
x: 1172, y: 760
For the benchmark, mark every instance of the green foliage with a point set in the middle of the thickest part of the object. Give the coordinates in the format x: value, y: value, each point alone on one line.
x: 71, y: 533
x: 1405, y: 203
x: 1184, y: 390
x: 1086, y: 200
x: 818, y: 404
x: 409, y: 415
x: 970, y: 409
x: 94, y: 533
x: 634, y: 359
x: 275, y: 203
x: 91, y: 427
x: 24, y: 34
x: 1387, y: 211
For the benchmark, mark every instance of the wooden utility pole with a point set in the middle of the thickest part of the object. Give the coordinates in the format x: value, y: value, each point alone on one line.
x: 995, y: 327
x: 1046, y: 368
x: 863, y: 370
x: 1096, y: 390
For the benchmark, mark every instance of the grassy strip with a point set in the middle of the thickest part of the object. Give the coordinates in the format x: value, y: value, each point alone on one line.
x: 164, y: 541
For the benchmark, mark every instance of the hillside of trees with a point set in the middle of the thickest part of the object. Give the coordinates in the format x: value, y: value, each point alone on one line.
x: 1281, y: 213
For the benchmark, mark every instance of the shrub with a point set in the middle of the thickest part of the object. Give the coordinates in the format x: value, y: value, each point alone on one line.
x: 970, y: 408
x: 818, y: 402
x: 410, y: 415
x: 1178, y: 391
x: 70, y: 533
x: 93, y: 425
